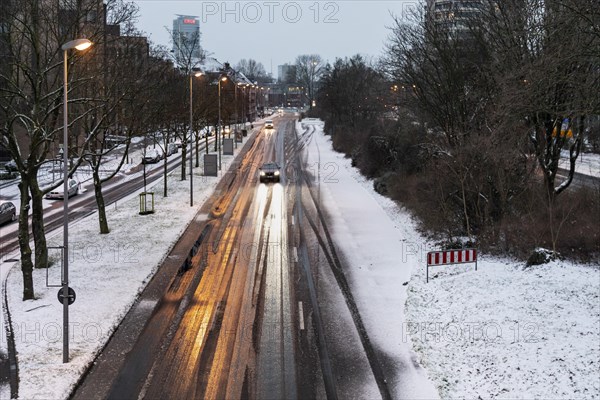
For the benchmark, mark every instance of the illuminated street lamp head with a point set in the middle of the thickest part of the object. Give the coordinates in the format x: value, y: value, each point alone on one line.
x: 77, y: 44
x: 198, y: 74
x: 223, y: 78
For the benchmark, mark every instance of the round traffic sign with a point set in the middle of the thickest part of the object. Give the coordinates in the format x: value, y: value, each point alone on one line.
x: 71, y: 296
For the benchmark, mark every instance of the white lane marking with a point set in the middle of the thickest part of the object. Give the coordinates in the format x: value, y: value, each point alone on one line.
x: 294, y: 254
x: 301, y: 315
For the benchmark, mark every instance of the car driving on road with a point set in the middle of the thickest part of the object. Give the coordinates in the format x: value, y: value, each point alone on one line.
x: 58, y: 193
x: 269, y: 124
x: 269, y: 172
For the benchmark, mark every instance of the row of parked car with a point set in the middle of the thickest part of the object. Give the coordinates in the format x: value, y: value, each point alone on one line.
x: 8, y: 211
x: 156, y: 154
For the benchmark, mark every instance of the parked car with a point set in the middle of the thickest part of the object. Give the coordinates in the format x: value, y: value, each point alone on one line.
x: 152, y: 156
x: 8, y: 212
x: 11, y: 166
x: 269, y: 172
x: 58, y: 193
x: 172, y: 149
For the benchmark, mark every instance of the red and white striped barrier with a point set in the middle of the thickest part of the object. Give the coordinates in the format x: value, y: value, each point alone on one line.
x: 446, y: 257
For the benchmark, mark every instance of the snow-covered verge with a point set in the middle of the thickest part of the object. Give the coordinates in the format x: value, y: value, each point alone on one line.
x: 509, y: 332
x: 378, y: 254
x: 107, y: 272
x: 499, y: 332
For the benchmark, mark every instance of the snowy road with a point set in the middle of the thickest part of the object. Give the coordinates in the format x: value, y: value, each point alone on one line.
x: 233, y: 324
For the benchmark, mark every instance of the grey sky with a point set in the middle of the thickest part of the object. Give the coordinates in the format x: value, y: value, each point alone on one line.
x: 275, y: 32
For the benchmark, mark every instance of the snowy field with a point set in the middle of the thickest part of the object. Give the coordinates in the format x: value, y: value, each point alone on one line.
x: 107, y: 272
x: 500, y: 332
x: 507, y: 332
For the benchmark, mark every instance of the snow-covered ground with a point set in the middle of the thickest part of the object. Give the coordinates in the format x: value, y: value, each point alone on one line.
x: 535, y: 332
x: 508, y: 332
x: 499, y: 332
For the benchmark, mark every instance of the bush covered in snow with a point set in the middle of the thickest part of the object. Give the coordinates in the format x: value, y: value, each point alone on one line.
x: 541, y: 256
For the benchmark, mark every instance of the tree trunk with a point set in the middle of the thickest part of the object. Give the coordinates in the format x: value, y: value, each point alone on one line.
x: 465, y: 209
x: 26, y: 263
x: 37, y: 225
x: 102, y: 220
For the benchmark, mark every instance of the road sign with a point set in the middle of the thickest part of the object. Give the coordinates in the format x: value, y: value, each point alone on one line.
x: 446, y: 257
x: 71, y: 296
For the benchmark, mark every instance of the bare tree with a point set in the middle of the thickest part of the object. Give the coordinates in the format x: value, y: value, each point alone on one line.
x: 442, y: 68
x: 31, y: 97
x: 546, y: 75
x: 31, y: 100
x: 352, y: 90
x: 253, y: 70
x: 309, y: 68
x: 509, y: 73
x: 188, y: 56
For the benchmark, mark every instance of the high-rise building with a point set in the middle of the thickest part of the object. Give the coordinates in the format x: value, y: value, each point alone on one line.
x: 286, y: 73
x: 454, y: 15
x: 186, y: 39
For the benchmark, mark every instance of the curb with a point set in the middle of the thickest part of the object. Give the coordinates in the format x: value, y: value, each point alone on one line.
x: 10, y: 342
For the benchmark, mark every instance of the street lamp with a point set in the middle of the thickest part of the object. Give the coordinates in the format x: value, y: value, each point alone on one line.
x: 242, y: 118
x: 77, y: 44
x: 219, y: 134
x: 237, y: 115
x: 195, y: 74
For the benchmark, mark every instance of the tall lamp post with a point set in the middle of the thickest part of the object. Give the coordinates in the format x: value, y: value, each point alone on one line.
x: 244, y: 106
x: 77, y: 44
x: 219, y: 133
x: 195, y: 74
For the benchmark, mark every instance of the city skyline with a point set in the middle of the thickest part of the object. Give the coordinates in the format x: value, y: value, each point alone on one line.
x: 274, y: 33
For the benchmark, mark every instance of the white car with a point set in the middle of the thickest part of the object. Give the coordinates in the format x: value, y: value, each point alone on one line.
x: 58, y: 193
x: 269, y: 124
x: 152, y: 156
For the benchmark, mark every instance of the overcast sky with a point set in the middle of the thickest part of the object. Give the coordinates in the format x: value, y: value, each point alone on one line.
x: 275, y: 32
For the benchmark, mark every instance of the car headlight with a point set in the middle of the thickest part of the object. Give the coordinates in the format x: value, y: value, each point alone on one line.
x: 276, y: 172
x: 262, y: 173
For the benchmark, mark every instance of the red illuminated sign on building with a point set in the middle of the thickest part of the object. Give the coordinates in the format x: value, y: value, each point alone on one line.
x: 189, y: 21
